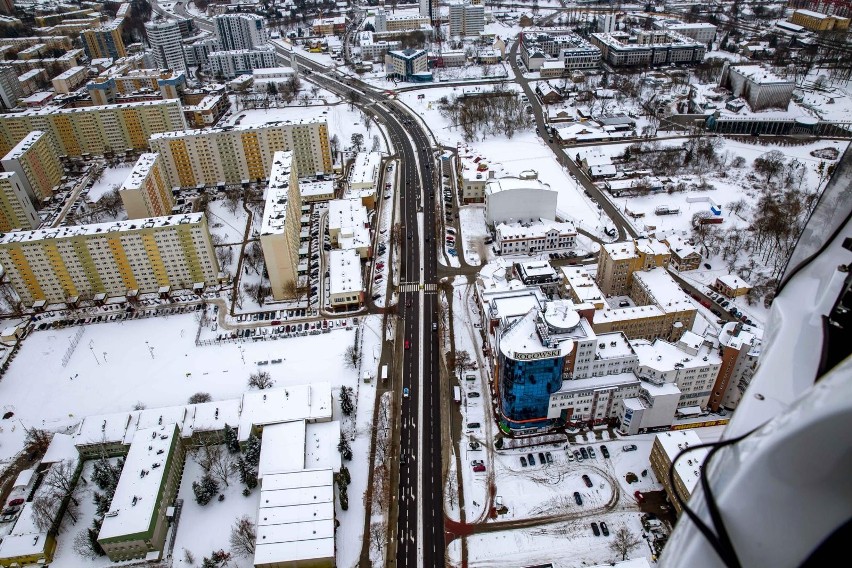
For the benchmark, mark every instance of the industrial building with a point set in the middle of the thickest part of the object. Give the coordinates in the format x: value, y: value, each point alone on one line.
x: 519, y: 199
x: 761, y: 88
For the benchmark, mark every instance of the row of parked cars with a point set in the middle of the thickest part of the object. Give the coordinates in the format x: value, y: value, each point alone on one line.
x: 543, y: 458
x: 730, y: 307
x: 586, y: 453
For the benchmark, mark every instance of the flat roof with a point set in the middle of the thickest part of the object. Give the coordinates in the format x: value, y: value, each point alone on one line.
x: 272, y: 406
x: 24, y: 145
x: 135, y: 499
x: 687, y: 467
x: 234, y: 128
x: 277, y: 194
x: 140, y: 171
x: 365, y: 170
x: 100, y: 228
x: 497, y: 185
x: 282, y: 448
x: 344, y: 267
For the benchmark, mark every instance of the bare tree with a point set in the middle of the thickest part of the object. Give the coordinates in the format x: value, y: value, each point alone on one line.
x: 83, y: 545
x: 243, y: 536
x: 351, y: 357
x: 260, y: 380
x: 37, y: 440
x: 257, y: 291
x: 623, y: 542
x: 214, y: 460
x: 200, y: 397
x: 463, y: 361
x: 378, y: 535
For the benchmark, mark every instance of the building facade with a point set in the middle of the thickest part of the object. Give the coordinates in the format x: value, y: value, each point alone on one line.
x: 346, y: 287
x: 104, y: 41
x: 96, y: 129
x: 230, y: 64
x: 519, y: 199
x: 407, y: 64
x: 240, y: 31
x: 233, y: 155
x: 166, y: 41
x: 618, y: 261
x: 145, y: 192
x: 279, y: 233
x: 740, y: 345
x: 36, y: 162
x: 16, y: 209
x: 10, y: 87
x: 687, y: 470
x: 466, y: 19
x: 648, y: 47
x: 110, y: 258
x: 69, y: 80
x: 761, y: 88
x: 534, y: 238
x: 818, y: 22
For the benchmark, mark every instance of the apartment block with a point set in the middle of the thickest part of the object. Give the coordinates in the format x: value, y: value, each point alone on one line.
x: 687, y: 470
x: 96, y: 129
x: 740, y: 345
x: 10, y: 87
x: 279, y: 233
x: 136, y: 525
x: 166, y: 41
x: 16, y: 209
x: 618, y: 261
x: 204, y: 109
x: 145, y: 192
x: 240, y: 31
x: 230, y: 64
x: 240, y: 154
x: 104, y: 41
x: 69, y: 80
x: 466, y: 19
x: 648, y: 47
x: 36, y: 162
x: 141, y: 255
x: 818, y: 22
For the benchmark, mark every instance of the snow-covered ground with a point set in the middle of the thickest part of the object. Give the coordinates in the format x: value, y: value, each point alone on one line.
x: 111, y: 178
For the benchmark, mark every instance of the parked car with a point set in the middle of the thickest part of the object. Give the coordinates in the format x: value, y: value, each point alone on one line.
x: 541, y: 459
x: 604, y: 451
x: 479, y: 468
x: 548, y: 457
x: 473, y: 394
x: 639, y: 497
x: 531, y: 459
x: 569, y: 455
x: 578, y: 455
x: 592, y: 453
x: 584, y: 452
x: 707, y: 266
x: 595, y: 529
x: 523, y: 461
x: 629, y: 447
x: 477, y: 462
x: 604, y: 529
x: 577, y: 498
x: 587, y: 480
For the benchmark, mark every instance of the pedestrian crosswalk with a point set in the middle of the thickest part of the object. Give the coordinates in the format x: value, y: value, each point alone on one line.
x: 415, y: 287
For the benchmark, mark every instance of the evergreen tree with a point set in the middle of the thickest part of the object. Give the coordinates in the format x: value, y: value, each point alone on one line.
x: 231, y: 441
x: 252, y: 451
x: 205, y: 489
x: 344, y: 499
x: 93, y: 540
x: 346, y: 405
x: 344, y: 475
x: 343, y: 447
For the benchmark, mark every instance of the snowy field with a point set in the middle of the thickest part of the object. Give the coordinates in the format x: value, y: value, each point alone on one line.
x: 111, y: 178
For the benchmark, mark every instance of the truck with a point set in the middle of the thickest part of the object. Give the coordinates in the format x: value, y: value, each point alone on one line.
x: 457, y: 394
x: 384, y: 374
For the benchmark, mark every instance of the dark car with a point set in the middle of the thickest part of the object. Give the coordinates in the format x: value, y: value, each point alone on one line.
x: 592, y: 452
x: 604, y: 451
x: 548, y: 457
x: 707, y: 266
x: 473, y: 394
x: 523, y: 461
x: 595, y: 529
x: 577, y: 498
x: 604, y: 529
x: 541, y: 459
x: 531, y: 459
x: 584, y: 452
x: 587, y: 480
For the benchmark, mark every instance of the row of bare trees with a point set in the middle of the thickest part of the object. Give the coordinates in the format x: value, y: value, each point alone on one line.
x: 496, y: 113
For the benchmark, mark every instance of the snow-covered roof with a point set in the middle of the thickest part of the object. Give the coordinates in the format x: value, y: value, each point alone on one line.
x: 522, y: 339
x: 140, y: 171
x: 24, y: 478
x: 273, y: 406
x: 624, y: 314
x: 680, y: 246
x: 513, y: 303
x: 497, y: 185
x: 321, y: 439
x: 736, y: 335
x: 61, y: 448
x: 583, y: 285
x: 156, y: 417
x: 282, y: 448
x: 208, y: 416
x: 760, y: 75
x: 100, y: 228
x: 613, y: 346
x: 365, y: 170
x: 14, y: 546
x: 733, y: 282
x: 663, y: 290
x: 663, y: 356
x: 537, y: 230
x: 688, y: 467
x: 532, y: 268
x: 346, y: 213
x: 296, y: 517
x: 105, y: 428
x: 25, y: 144
x: 344, y: 272
x: 135, y: 501
x: 277, y: 194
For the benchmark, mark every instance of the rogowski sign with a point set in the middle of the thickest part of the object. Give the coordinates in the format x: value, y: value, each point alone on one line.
x: 540, y: 355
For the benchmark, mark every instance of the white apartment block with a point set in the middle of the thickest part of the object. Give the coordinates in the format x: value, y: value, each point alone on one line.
x: 346, y: 288
x: 10, y: 87
x: 141, y: 255
x: 534, y: 238
x: 372, y: 50
x: 197, y: 52
x: 647, y: 47
x: 35, y: 161
x: 146, y: 192
x: 385, y: 23
x: 699, y: 31
x: 466, y: 19
x: 279, y: 231
x: 240, y: 154
x: 166, y: 42
x: 240, y: 31
x: 94, y: 130
x: 70, y: 79
x: 16, y: 209
x: 230, y: 64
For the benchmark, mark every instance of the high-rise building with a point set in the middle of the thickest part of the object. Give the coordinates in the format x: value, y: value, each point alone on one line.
x: 430, y: 9
x: 16, y: 209
x: 145, y: 192
x: 618, y: 261
x: 104, y: 41
x: 279, y: 232
x: 141, y: 255
x: 240, y: 31
x: 94, y: 130
x: 36, y: 162
x: 10, y: 87
x: 740, y: 345
x: 234, y: 155
x: 165, y: 40
x: 466, y: 19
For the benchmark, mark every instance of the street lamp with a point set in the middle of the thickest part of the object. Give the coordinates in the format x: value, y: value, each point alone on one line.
x: 92, y: 349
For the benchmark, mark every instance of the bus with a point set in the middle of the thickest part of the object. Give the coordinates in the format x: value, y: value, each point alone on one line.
x: 384, y: 373
x: 457, y: 394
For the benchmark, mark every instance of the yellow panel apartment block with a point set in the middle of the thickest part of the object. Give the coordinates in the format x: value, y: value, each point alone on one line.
x: 110, y: 258
x: 145, y: 192
x: 36, y: 162
x: 236, y: 154
x: 96, y: 129
x: 279, y: 232
x: 16, y: 209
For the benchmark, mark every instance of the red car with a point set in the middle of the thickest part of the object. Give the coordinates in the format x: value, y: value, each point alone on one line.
x: 479, y: 467
x: 407, y: 344
x: 15, y: 502
x: 639, y: 497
